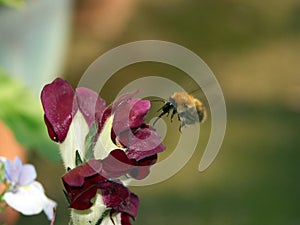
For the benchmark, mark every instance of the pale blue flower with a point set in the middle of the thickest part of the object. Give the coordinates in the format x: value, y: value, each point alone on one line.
x: 18, y: 174
x: 25, y: 194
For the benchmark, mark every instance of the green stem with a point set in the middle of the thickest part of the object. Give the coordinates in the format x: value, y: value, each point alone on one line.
x: 104, y: 214
x: 3, y: 192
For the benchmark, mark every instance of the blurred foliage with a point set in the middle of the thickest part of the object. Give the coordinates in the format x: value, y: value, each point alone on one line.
x: 12, y: 3
x: 219, y: 25
x: 22, y: 112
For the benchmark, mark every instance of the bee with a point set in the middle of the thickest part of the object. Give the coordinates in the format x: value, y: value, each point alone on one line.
x: 189, y: 109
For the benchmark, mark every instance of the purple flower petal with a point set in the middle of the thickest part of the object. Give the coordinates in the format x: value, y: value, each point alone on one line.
x: 121, y: 100
x: 120, y: 199
x: 141, y: 143
x: 77, y: 176
x: 117, y: 164
x: 132, y: 207
x: 90, y: 105
x: 130, y: 115
x: 138, y: 112
x: 125, y: 219
x: 81, y: 199
x: 142, y: 168
x: 114, y: 195
x: 58, y: 103
x: 82, y: 184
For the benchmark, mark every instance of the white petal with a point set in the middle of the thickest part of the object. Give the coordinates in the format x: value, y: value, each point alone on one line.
x: 104, y: 144
x: 49, y: 208
x: 75, y: 140
x: 49, y: 204
x: 30, y: 200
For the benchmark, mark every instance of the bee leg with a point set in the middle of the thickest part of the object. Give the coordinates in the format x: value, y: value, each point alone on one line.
x: 165, y: 110
x: 180, y: 126
x: 173, y: 114
x: 181, y: 123
x: 160, y: 115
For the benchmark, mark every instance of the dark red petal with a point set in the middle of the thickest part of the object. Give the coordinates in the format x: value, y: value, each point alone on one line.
x: 130, y: 115
x: 123, y: 99
x: 142, y: 168
x: 58, y: 103
x: 138, y: 112
x: 115, y: 195
x: 81, y: 199
x: 90, y: 104
x: 105, y: 115
x: 120, y: 199
x: 77, y: 176
x: 142, y: 143
x: 125, y: 219
x: 82, y: 184
x: 117, y: 164
x: 50, y: 129
x: 130, y: 206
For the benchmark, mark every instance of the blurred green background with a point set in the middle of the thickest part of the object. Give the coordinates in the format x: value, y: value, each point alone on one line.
x: 253, y: 47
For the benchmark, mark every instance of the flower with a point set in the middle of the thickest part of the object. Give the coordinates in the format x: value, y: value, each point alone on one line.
x: 100, y: 146
x: 25, y: 194
x: 83, y: 182
x: 70, y: 115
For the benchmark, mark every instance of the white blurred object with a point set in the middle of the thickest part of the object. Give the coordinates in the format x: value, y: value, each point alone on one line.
x: 33, y: 41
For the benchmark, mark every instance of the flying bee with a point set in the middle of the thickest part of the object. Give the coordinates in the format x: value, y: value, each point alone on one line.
x: 189, y: 109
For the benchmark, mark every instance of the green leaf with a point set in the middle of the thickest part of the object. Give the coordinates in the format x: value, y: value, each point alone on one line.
x: 22, y: 112
x: 90, y: 143
x: 2, y: 173
x: 67, y: 197
x: 78, y: 159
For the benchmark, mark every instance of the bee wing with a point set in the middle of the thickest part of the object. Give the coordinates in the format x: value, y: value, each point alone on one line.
x: 189, y: 115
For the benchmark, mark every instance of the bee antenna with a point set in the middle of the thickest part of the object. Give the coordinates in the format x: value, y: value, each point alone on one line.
x: 158, y: 100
